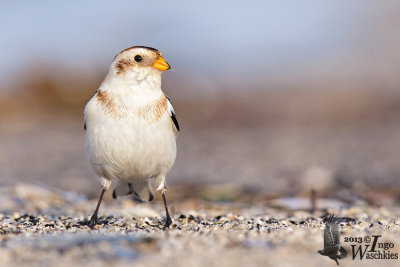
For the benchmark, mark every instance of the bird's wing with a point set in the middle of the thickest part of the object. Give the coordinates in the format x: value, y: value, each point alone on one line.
x: 173, y: 116
x: 331, y: 250
x: 84, y: 113
x: 328, y: 237
x: 331, y: 233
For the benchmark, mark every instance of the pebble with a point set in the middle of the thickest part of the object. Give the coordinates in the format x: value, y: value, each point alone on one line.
x: 223, y: 234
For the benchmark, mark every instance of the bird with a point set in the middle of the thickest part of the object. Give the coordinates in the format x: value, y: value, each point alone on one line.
x: 332, y: 247
x: 131, y: 128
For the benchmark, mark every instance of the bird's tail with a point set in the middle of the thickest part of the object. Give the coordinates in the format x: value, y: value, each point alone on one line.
x: 140, y: 190
x: 342, y: 253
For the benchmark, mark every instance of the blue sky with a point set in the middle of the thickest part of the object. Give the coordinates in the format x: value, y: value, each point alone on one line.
x: 255, y: 40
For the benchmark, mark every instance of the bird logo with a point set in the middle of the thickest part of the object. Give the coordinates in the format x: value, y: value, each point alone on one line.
x: 332, y: 248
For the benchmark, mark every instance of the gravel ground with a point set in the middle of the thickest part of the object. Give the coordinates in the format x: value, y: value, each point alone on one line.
x: 233, y: 205
x: 45, y: 227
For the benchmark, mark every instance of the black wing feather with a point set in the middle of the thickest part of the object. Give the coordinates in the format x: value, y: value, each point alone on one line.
x: 173, y: 117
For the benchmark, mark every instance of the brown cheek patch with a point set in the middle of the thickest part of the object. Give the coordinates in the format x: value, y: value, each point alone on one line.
x: 121, y: 66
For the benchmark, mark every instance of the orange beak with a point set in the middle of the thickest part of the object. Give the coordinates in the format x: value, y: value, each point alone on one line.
x: 161, y: 64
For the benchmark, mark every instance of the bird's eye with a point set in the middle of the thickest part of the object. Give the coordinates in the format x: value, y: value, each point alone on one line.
x: 138, y: 58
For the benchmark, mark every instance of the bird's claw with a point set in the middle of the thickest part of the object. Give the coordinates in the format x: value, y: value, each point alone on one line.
x: 168, y: 222
x: 93, y: 221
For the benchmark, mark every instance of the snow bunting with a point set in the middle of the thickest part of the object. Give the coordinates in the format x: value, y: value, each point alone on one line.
x: 131, y: 127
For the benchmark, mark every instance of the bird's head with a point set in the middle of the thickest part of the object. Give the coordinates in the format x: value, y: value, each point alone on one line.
x: 138, y: 63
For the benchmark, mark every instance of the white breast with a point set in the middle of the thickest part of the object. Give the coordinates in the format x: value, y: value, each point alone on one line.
x: 128, y: 139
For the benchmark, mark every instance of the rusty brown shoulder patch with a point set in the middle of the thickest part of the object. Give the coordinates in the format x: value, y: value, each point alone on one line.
x: 155, y: 110
x: 106, y: 102
x: 160, y: 107
x: 152, y: 112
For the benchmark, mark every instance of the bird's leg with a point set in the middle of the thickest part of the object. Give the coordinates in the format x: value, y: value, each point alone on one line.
x: 94, y: 220
x: 168, y: 220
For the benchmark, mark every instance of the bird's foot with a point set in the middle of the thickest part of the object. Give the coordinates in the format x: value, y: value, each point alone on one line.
x: 168, y: 222
x: 93, y: 221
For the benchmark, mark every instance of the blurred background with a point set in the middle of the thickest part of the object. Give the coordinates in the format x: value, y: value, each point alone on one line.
x: 274, y: 98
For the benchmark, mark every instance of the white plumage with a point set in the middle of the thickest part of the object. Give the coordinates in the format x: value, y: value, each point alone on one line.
x: 131, y: 126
